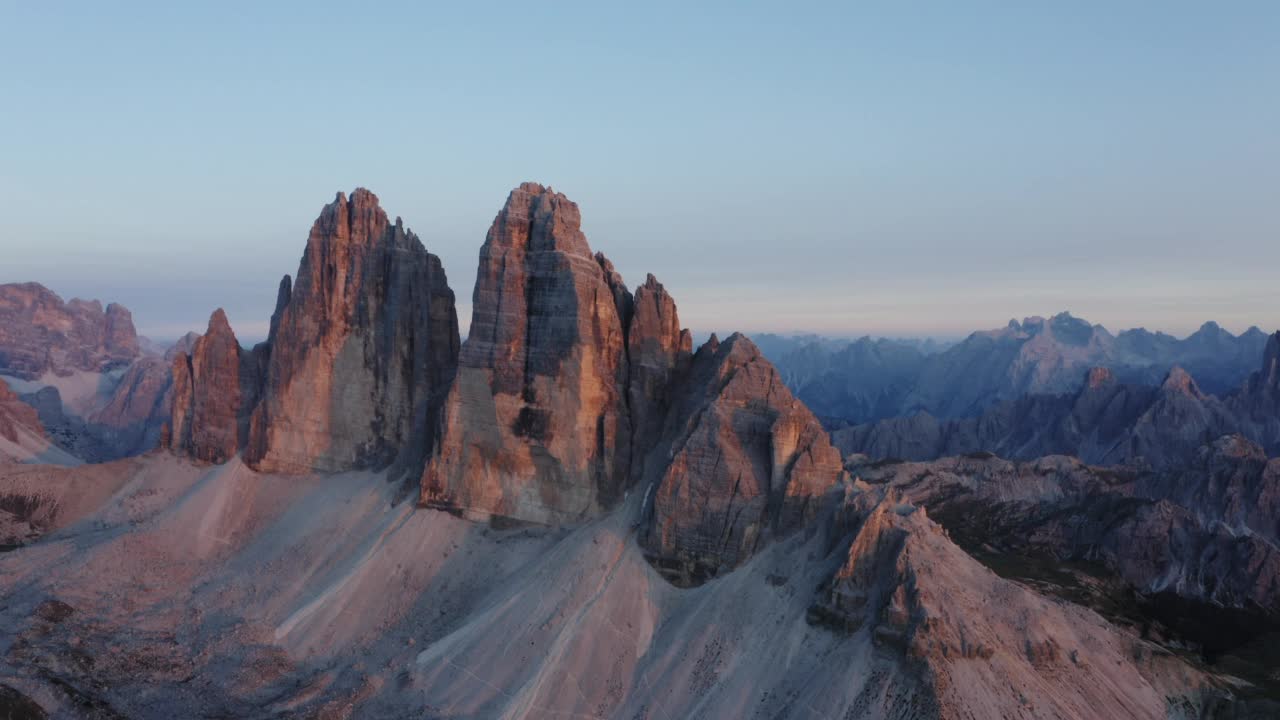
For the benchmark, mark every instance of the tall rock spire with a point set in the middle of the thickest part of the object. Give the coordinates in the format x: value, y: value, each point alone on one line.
x: 214, y: 389
x: 536, y: 425
x: 363, y: 346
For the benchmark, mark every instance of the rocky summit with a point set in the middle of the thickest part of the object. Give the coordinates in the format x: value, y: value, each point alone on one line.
x: 362, y: 348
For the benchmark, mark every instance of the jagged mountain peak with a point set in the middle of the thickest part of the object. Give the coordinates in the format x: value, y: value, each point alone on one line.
x: 1180, y: 381
x: 538, y: 219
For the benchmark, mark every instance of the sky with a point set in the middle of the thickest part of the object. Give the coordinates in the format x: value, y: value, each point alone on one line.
x: 896, y: 169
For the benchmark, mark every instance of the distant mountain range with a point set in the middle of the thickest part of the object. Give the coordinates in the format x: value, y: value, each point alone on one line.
x: 1105, y: 422
x: 873, y: 379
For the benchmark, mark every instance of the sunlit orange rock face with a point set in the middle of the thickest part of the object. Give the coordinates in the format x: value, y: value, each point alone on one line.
x: 363, y: 346
x: 39, y: 333
x: 536, y: 426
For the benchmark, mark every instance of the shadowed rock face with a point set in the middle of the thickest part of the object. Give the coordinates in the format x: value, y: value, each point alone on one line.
x: 215, y: 388
x: 39, y: 333
x: 363, y: 345
x: 747, y: 462
x: 536, y: 427
x: 1257, y: 405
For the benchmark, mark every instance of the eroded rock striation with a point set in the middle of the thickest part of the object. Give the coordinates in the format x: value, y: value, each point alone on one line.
x: 40, y: 334
x: 362, y: 348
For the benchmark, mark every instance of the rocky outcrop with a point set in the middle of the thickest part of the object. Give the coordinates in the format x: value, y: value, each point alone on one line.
x: 748, y: 462
x: 536, y: 426
x: 41, y: 334
x: 1205, y: 532
x: 214, y: 390
x: 362, y: 348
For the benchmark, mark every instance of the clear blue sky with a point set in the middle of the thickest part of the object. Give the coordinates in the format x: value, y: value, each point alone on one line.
x: 896, y: 168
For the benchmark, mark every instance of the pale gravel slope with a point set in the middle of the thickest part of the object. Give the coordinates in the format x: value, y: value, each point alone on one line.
x: 220, y: 592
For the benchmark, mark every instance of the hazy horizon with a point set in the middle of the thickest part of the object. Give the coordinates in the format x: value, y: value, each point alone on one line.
x: 841, y: 171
